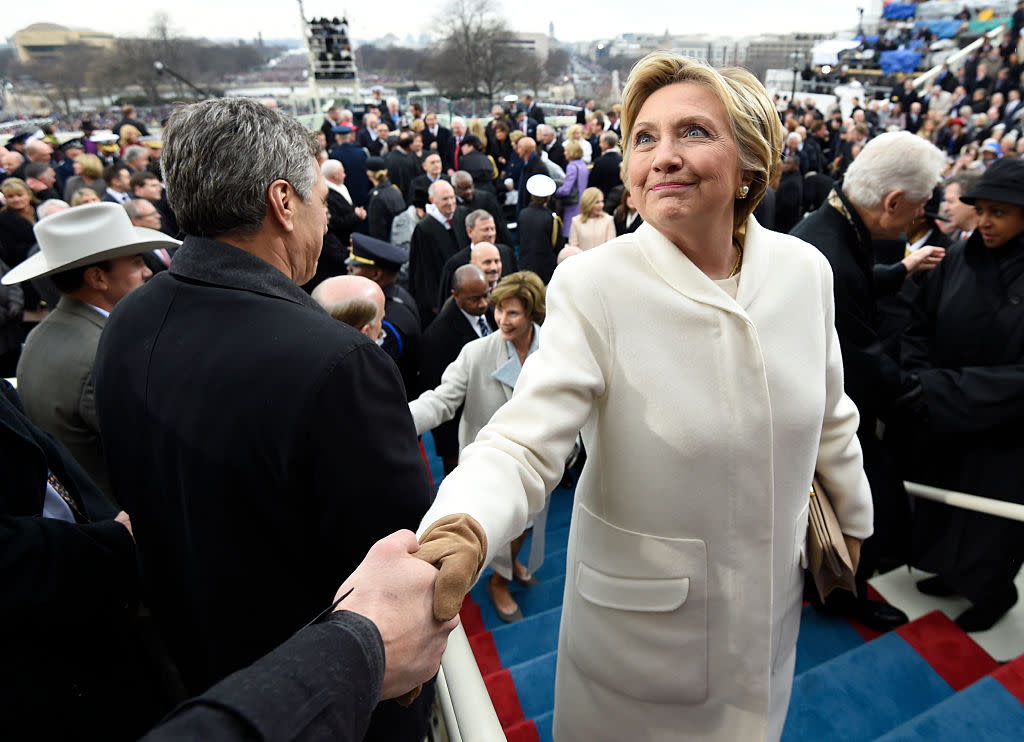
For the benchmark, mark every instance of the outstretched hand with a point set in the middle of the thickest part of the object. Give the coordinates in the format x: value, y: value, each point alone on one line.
x: 395, y: 590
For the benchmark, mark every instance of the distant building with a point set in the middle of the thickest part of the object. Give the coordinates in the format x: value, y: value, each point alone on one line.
x: 779, y: 52
x: 530, y: 43
x: 42, y: 42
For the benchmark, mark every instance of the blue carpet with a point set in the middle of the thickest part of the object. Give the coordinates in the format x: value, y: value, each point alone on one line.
x: 984, y: 712
x: 544, y: 723
x: 863, y: 693
x: 535, y: 684
x: 822, y: 637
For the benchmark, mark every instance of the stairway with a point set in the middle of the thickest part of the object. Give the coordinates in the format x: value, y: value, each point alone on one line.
x: 924, y: 682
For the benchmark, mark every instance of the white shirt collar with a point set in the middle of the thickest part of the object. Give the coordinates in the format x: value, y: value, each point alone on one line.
x: 436, y: 213
x: 474, y: 321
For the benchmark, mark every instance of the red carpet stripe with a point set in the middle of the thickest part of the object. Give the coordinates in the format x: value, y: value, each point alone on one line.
x: 951, y: 653
x: 522, y: 731
x: 1011, y: 675
x: 503, y: 695
x: 472, y: 620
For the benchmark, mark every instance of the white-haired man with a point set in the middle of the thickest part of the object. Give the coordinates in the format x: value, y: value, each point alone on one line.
x: 885, y: 189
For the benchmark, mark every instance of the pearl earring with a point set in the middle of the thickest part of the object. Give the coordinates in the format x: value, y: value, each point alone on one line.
x: 744, y: 190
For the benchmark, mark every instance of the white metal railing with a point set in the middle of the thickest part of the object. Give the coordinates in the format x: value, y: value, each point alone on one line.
x: 924, y: 79
x: 465, y: 704
x: 978, y: 504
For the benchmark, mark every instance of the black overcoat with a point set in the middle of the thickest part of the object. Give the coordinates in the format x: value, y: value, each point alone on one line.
x: 966, y: 344
x: 260, y: 446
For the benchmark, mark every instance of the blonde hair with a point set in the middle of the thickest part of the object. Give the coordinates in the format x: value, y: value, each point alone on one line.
x: 590, y: 197
x: 92, y: 166
x: 80, y: 195
x: 753, y: 120
x: 570, y: 133
x: 515, y: 136
x: 573, y: 150
x: 476, y: 126
x: 127, y: 131
x: 525, y: 286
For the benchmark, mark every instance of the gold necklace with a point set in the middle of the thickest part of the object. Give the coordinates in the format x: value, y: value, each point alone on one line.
x: 739, y: 257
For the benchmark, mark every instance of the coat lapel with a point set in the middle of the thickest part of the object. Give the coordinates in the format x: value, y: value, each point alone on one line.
x: 681, y: 274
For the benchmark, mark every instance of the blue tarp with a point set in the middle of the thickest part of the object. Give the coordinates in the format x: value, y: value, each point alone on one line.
x: 899, y: 61
x: 899, y: 11
x: 942, y: 29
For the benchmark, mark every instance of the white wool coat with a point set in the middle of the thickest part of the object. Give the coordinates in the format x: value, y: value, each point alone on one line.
x: 704, y: 419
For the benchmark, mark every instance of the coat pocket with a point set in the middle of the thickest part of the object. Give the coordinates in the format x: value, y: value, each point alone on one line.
x: 636, y: 620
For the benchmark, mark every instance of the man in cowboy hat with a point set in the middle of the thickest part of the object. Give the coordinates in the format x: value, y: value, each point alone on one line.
x: 93, y: 255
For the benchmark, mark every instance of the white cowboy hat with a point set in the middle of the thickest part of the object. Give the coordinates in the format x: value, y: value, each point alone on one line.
x: 83, y: 235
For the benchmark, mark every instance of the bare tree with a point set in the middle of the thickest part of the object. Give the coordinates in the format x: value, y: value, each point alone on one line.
x: 475, y: 60
x: 65, y: 77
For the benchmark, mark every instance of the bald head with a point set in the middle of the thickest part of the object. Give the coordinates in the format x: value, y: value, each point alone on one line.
x: 486, y: 257
x: 354, y: 300
x: 526, y: 147
x: 470, y: 289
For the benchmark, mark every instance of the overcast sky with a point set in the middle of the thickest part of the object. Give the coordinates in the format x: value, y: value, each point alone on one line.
x: 574, y: 21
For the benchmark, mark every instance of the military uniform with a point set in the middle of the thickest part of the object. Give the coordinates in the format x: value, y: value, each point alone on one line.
x: 401, y: 318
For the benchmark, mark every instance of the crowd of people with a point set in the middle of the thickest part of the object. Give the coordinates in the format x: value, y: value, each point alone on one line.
x: 226, y: 347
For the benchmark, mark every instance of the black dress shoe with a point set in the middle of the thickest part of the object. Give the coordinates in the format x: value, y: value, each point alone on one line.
x: 877, y: 615
x: 984, y: 614
x: 935, y: 586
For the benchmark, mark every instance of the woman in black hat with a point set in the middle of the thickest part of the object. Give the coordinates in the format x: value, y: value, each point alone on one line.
x: 961, y: 418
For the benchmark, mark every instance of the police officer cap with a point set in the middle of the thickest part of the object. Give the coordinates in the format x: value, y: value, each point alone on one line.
x: 540, y: 186
x: 373, y: 164
x: 342, y: 129
x: 369, y: 251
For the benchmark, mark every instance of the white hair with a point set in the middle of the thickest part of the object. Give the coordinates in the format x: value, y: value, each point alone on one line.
x: 894, y: 161
x: 50, y: 206
x: 330, y: 167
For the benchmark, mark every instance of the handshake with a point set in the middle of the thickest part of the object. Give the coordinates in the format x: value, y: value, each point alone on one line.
x: 416, y: 607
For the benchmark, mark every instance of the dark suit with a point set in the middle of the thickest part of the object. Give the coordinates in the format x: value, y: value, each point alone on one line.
x: 402, y: 168
x: 367, y: 142
x: 402, y: 325
x: 72, y: 665
x: 488, y: 202
x: 872, y: 377
x: 481, y: 167
x: 422, y: 184
x: 269, y: 465
x: 533, y: 166
x: 431, y: 246
x: 556, y: 154
x: 442, y: 342
x: 461, y: 258
x: 354, y: 159
x: 319, y: 684
x: 605, y: 172
x: 536, y: 113
x: 445, y: 145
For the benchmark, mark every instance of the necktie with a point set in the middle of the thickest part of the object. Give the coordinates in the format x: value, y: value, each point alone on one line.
x: 458, y: 146
x: 484, y: 329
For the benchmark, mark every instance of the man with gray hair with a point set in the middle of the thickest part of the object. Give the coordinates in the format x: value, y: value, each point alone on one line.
x: 885, y: 189
x: 605, y: 172
x: 278, y: 445
x: 136, y: 157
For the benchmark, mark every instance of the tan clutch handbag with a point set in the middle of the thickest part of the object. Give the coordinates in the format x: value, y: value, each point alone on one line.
x: 828, y: 559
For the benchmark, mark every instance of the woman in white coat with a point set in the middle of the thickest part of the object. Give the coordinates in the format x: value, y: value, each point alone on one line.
x: 480, y: 381
x: 700, y: 358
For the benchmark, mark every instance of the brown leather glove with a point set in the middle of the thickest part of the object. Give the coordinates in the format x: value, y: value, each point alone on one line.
x: 457, y: 546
